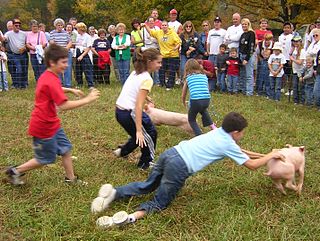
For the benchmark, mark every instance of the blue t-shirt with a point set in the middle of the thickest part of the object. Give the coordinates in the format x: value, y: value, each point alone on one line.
x: 205, y: 149
x: 198, y: 86
x: 101, y: 45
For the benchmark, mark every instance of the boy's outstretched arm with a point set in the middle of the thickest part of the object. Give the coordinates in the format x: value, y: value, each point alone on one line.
x: 72, y: 104
x: 255, y: 164
x: 76, y: 92
x: 252, y: 155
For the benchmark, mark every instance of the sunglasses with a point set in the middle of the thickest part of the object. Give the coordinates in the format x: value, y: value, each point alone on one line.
x: 17, y: 24
x: 316, y: 35
x: 188, y: 26
x: 205, y: 25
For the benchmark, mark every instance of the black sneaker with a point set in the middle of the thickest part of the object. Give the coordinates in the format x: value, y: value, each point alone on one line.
x: 14, y: 176
x: 76, y: 181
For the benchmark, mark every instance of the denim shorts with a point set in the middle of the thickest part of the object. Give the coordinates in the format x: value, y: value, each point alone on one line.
x: 46, y: 149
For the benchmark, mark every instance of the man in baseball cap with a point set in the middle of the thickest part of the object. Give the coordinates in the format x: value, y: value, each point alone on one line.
x: 217, y: 19
x: 173, y: 23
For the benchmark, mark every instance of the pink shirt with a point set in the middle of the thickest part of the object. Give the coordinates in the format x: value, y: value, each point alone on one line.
x: 32, y: 39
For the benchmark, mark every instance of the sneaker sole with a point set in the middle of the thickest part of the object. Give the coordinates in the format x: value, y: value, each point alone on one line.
x: 120, y: 218
x: 104, y: 222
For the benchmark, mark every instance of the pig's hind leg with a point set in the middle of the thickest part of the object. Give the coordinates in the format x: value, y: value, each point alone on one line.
x: 279, y: 186
x: 301, y: 177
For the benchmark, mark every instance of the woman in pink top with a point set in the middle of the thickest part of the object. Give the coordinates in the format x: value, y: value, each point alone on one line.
x: 36, y: 42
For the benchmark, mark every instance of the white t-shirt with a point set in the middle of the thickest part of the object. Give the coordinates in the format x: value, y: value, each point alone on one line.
x: 285, y: 41
x: 313, y: 49
x: 3, y: 62
x: 276, y: 61
x: 84, y: 41
x: 128, y: 96
x: 297, y: 68
x: 150, y: 42
x: 215, y: 39
x: 175, y: 25
x: 233, y: 35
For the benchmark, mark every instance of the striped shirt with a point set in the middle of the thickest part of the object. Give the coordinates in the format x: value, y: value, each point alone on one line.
x: 60, y: 38
x: 198, y: 86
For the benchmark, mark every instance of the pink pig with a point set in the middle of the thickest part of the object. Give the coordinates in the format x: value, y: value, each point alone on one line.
x: 294, y: 161
x: 162, y: 117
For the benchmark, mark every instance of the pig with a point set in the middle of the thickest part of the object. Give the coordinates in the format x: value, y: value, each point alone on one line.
x: 162, y: 117
x: 285, y: 170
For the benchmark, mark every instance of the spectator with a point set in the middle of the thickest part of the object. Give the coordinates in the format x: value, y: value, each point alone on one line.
x: 317, y: 26
x: 155, y: 15
x: 297, y: 58
x: 233, y: 62
x: 306, y: 77
x: 102, y: 48
x: 221, y: 67
x: 136, y: 33
x: 3, y: 70
x: 174, y: 23
x: 264, y: 50
x: 73, y: 37
x: 42, y: 27
x: 234, y: 32
x: 215, y: 39
x: 169, y: 44
x: 262, y: 31
x: 9, y: 25
x: 190, y: 44
x: 17, y: 55
x: 308, y: 36
x: 151, y: 42
x: 316, y: 90
x: 204, y: 37
x: 314, y: 47
x: 247, y: 57
x: 112, y: 34
x: 93, y: 58
x: 36, y: 42
x: 121, y: 45
x: 209, y: 70
x: 276, y: 63
x: 60, y: 37
x: 83, y: 63
x: 74, y: 22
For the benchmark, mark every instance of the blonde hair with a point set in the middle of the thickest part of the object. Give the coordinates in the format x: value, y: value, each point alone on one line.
x: 192, y: 67
x: 120, y: 25
x: 81, y: 26
x: 246, y: 20
x: 207, y: 22
x: 268, y: 36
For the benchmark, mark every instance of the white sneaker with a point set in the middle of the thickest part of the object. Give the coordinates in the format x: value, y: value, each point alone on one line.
x: 106, y: 195
x: 117, y: 152
x: 104, y: 222
x: 120, y: 218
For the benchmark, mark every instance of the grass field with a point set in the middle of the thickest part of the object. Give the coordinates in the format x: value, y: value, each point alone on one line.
x: 222, y: 202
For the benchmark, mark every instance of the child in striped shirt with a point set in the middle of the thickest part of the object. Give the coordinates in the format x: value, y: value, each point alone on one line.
x: 197, y: 82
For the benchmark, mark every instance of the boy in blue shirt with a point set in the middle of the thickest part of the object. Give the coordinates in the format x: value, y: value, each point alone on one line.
x: 176, y: 165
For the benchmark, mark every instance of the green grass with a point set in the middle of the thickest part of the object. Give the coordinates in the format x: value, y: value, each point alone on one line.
x: 223, y: 202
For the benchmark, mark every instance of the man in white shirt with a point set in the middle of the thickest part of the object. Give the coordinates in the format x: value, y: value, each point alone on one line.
x: 215, y: 39
x: 173, y: 23
x: 234, y: 32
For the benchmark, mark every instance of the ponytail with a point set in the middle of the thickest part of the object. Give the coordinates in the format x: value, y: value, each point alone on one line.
x: 142, y: 58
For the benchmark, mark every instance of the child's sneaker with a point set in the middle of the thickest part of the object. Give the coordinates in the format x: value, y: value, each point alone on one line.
x: 76, y: 180
x: 117, y: 152
x: 104, y: 222
x: 14, y: 176
x: 120, y: 218
x: 106, y: 195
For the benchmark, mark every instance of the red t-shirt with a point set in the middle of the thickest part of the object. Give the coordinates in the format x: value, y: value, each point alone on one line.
x: 44, y: 122
x: 209, y: 66
x: 233, y: 67
x: 261, y: 33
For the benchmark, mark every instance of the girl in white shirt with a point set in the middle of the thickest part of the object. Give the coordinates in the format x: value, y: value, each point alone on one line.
x: 129, y: 107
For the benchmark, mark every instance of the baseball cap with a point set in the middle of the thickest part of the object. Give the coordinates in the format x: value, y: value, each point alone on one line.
x: 173, y: 11
x: 217, y: 19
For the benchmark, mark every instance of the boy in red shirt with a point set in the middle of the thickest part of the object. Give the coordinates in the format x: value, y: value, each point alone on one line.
x: 233, y: 63
x: 49, y: 138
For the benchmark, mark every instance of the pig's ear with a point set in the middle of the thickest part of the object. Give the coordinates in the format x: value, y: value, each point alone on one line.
x: 301, y: 148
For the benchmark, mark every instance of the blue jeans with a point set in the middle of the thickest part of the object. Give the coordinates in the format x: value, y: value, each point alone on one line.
x: 66, y: 77
x: 169, y: 65
x: 308, y: 89
x: 316, y: 91
x: 156, y: 80
x: 263, y: 83
x: 212, y: 84
x: 221, y: 79
x: 38, y: 69
x: 125, y: 120
x: 275, y: 87
x: 246, y: 77
x: 84, y: 66
x: 298, y: 90
x: 213, y: 59
x: 167, y: 177
x: 124, y: 70
x: 183, y: 61
x: 3, y: 80
x: 19, y: 69
x: 233, y: 83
